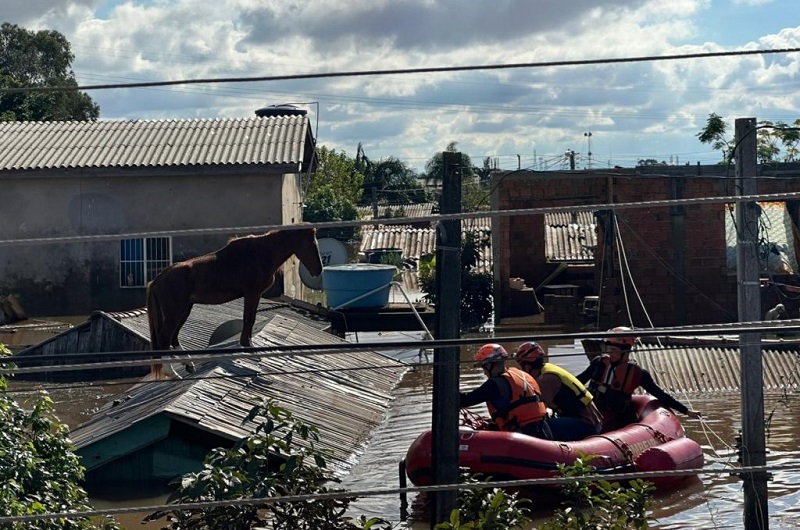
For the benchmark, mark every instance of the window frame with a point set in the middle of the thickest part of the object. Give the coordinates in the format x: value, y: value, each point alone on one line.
x: 142, y: 258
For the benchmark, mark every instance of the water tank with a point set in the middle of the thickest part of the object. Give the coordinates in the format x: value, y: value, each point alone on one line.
x: 280, y: 110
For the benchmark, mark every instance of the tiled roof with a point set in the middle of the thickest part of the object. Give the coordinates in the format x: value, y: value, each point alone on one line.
x: 416, y: 242
x: 570, y: 236
x: 154, y: 143
x: 407, y: 210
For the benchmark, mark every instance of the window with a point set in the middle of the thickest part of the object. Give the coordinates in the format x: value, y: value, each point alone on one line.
x: 142, y: 259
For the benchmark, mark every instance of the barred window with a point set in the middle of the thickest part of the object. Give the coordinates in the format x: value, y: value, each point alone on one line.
x: 142, y: 259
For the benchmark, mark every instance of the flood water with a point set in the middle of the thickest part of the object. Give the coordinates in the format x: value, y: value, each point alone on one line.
x: 709, y: 501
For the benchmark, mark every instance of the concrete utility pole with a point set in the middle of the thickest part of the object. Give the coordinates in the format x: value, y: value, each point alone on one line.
x: 446, y: 361
x: 753, y: 451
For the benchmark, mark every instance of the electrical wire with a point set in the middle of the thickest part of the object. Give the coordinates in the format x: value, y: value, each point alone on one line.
x: 772, y: 197
x: 510, y: 484
x: 425, y: 70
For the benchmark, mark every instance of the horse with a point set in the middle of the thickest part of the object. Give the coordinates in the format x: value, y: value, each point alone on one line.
x: 244, y: 267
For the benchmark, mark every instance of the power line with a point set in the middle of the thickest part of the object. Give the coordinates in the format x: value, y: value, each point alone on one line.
x: 345, y: 494
x: 145, y: 358
x: 440, y: 69
x: 773, y: 197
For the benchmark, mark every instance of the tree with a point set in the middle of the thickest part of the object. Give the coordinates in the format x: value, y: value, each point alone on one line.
x: 434, y: 168
x: 39, y: 470
x: 333, y: 192
x: 389, y: 181
x: 770, y: 138
x: 475, y: 304
x: 714, y: 133
x: 484, y: 173
x: 39, y: 59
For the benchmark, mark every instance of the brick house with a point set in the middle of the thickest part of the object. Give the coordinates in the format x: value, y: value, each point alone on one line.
x: 677, y: 254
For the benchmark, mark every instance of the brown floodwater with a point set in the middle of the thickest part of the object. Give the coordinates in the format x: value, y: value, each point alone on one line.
x: 709, y: 501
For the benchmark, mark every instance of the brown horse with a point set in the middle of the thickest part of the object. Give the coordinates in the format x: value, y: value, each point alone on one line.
x: 245, y: 267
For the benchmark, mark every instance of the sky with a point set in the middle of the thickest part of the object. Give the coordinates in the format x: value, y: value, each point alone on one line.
x: 519, y: 118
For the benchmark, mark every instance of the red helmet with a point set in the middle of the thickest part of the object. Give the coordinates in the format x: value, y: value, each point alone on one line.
x: 529, y: 352
x: 621, y: 341
x: 489, y: 353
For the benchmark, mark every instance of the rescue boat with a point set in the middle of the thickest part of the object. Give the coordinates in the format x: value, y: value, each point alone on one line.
x: 656, y: 442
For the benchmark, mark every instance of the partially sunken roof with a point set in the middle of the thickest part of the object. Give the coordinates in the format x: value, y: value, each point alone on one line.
x: 345, y: 393
x: 275, y: 140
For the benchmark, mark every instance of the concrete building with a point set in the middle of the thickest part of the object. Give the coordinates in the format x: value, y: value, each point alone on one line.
x: 90, y: 208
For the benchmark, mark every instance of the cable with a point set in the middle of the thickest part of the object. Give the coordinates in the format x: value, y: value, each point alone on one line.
x: 405, y: 220
x: 509, y: 484
x: 440, y: 69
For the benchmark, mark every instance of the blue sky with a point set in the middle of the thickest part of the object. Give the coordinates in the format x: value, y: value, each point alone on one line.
x: 522, y: 116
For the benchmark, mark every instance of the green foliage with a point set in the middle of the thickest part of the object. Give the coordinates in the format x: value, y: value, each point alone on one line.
x: 267, y: 464
x: 389, y: 181
x: 476, y: 287
x: 487, y: 509
x: 332, y: 193
x: 39, y: 59
x: 600, y: 504
x: 772, y: 140
x: 39, y: 471
x: 434, y: 168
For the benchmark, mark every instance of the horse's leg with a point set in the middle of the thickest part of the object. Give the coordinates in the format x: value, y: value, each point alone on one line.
x: 249, y: 318
x: 176, y: 345
x: 184, y: 316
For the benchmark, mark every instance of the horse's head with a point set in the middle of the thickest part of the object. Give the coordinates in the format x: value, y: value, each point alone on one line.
x: 308, y: 250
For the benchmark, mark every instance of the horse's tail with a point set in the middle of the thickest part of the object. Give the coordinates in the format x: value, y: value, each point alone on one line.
x: 154, y: 319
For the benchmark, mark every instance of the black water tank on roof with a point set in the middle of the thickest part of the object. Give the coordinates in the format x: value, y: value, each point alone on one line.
x: 280, y: 110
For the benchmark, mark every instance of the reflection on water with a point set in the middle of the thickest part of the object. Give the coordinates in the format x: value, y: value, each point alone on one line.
x: 710, y: 501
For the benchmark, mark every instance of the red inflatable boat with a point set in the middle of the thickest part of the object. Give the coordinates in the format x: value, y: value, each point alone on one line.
x: 655, y: 443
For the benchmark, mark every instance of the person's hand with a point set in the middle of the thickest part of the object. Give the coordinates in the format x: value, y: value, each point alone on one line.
x: 693, y: 414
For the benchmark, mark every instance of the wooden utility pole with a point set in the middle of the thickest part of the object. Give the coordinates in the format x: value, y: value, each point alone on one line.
x: 753, y: 450
x: 447, y: 326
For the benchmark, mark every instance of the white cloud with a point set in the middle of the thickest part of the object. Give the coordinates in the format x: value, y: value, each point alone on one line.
x: 634, y: 110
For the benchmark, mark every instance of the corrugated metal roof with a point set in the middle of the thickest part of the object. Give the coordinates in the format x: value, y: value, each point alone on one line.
x: 407, y: 210
x: 153, y: 143
x: 776, y: 243
x: 416, y: 242
x: 570, y: 236
x: 715, y: 368
x: 344, y: 394
x: 205, y: 319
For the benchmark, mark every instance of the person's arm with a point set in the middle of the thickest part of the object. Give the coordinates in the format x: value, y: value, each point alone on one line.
x: 667, y: 400
x: 486, y: 392
x: 586, y: 375
x: 549, y: 385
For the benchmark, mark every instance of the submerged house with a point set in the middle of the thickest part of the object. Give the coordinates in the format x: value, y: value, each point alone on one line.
x: 158, y: 430
x: 98, y: 208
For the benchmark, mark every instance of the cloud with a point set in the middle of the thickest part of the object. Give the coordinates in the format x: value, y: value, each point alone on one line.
x: 644, y: 109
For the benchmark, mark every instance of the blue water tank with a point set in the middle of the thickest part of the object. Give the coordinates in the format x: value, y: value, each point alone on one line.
x: 345, y: 283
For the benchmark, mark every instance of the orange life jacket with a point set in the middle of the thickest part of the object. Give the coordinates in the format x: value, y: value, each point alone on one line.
x: 525, y: 404
x: 613, y: 385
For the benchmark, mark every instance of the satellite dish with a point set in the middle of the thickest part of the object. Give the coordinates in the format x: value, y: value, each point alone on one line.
x: 332, y: 252
x: 225, y: 331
